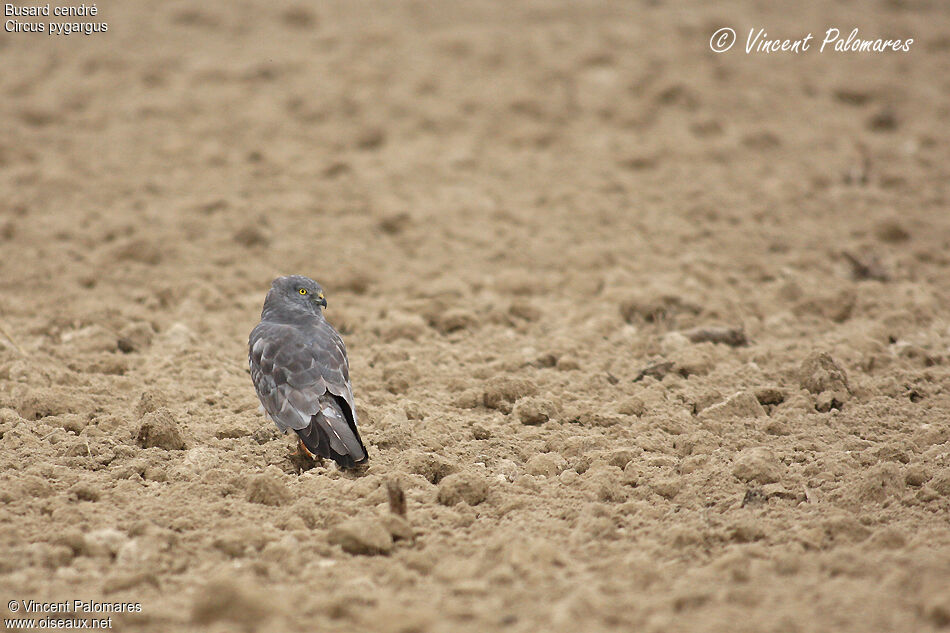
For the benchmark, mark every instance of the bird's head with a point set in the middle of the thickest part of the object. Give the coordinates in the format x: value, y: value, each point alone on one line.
x: 296, y: 293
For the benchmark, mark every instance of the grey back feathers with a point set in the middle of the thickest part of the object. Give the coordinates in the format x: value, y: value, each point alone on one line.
x: 301, y: 373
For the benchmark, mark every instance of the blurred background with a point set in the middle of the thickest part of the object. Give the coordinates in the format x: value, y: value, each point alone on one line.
x: 515, y: 208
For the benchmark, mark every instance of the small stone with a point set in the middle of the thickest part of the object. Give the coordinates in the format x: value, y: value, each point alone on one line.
x: 135, y: 337
x: 828, y: 400
x: 480, y: 433
x: 433, y: 467
x: 657, y: 370
x: 454, y: 320
x: 594, y: 418
x: 546, y: 465
x: 632, y: 474
x: 533, y: 411
x: 743, y: 404
x: 819, y: 372
x: 469, y: 399
x: 74, y: 423
x: 632, y: 406
x: 569, y: 477
x: 759, y: 465
x: 507, y: 470
x: 653, y: 308
x: 467, y: 487
x: 502, y: 392
x: 362, y: 537
x: 265, y: 434
x: 160, y: 430
x: 621, y: 457
x: 693, y: 361
x: 232, y: 431
x: 85, y: 491
x: 667, y: 488
x: 196, y: 462
x: 567, y: 364
x: 414, y: 411
x: 769, y: 395
x: 755, y: 497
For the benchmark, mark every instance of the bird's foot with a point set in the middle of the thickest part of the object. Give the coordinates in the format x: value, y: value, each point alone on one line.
x: 302, y: 459
x: 303, y: 450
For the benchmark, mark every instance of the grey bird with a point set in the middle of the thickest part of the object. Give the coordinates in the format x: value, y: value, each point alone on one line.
x: 301, y: 373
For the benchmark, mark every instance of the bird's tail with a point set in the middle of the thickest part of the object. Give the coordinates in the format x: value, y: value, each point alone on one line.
x: 331, y: 434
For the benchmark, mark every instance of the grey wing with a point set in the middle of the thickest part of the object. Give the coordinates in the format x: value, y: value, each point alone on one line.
x: 334, y: 366
x: 285, y: 376
x: 291, y: 370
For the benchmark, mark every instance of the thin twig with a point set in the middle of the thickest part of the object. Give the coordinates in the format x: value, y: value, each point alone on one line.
x: 397, y: 497
x: 6, y: 335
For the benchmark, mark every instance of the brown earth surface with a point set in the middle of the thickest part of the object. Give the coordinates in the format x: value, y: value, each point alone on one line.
x: 530, y: 219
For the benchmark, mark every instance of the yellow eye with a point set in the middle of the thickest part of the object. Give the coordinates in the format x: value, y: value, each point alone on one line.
x: 303, y: 291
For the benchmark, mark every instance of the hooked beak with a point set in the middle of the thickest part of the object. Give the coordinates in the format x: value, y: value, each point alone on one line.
x: 321, y: 300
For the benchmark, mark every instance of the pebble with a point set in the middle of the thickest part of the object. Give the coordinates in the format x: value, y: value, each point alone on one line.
x: 160, y: 430
x: 366, y: 537
x: 757, y: 464
x: 463, y: 487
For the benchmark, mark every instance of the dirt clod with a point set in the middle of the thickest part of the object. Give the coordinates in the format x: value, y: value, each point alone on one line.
x: 533, y: 411
x: 463, y: 487
x: 757, y: 465
x: 362, y: 536
x: 503, y: 391
x: 269, y: 489
x: 159, y: 429
x: 819, y: 372
x: 744, y: 404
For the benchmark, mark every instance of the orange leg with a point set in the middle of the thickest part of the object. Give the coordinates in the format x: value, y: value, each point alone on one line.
x: 303, y: 450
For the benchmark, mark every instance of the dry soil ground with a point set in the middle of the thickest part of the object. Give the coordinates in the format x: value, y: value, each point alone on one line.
x: 520, y: 212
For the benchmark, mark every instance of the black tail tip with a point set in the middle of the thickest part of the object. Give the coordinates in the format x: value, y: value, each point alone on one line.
x: 346, y: 462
